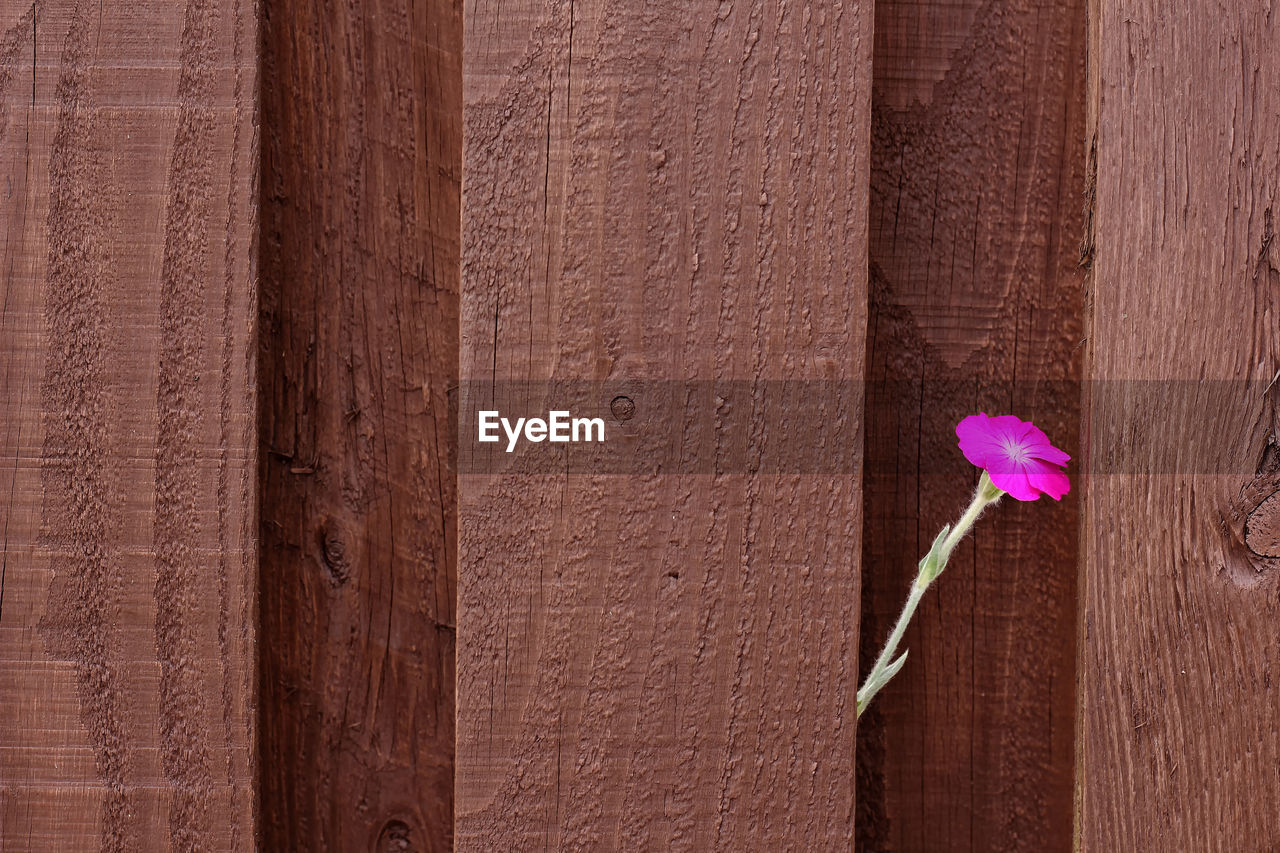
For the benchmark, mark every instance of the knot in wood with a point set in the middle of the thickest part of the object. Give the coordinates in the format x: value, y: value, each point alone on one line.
x: 396, y: 837
x: 1262, y: 528
x: 333, y: 553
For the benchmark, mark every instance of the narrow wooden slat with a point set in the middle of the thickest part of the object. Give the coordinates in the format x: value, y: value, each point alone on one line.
x: 977, y: 174
x: 1179, y: 720
x: 662, y: 656
x: 362, y: 142
x: 127, y: 451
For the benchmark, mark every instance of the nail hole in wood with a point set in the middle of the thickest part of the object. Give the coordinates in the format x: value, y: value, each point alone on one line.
x: 623, y: 408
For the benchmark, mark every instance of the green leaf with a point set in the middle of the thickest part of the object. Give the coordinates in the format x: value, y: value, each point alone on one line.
x: 892, y: 669
x: 878, y: 680
x: 932, y: 564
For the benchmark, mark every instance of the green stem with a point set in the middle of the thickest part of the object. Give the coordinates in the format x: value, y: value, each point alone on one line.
x: 931, y: 566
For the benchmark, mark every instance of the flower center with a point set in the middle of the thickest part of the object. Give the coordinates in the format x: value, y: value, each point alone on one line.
x: 1016, y: 452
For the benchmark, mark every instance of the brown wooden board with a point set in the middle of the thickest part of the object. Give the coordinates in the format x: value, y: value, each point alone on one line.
x: 977, y: 181
x: 359, y: 354
x: 1179, y: 714
x: 127, y: 440
x: 661, y: 656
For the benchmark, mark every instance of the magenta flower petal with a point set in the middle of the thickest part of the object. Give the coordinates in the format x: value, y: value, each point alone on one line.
x: 1016, y: 454
x: 979, y: 441
x: 1053, y: 482
x: 1041, y: 447
x: 1016, y: 483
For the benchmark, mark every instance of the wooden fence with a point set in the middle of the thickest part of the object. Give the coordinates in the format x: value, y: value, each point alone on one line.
x: 263, y: 263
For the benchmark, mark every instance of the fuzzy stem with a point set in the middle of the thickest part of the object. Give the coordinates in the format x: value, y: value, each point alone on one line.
x: 886, y: 666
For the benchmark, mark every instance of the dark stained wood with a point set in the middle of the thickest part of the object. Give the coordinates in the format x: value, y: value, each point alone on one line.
x: 1180, y: 741
x: 977, y: 184
x: 127, y: 440
x: 361, y: 129
x: 662, y: 659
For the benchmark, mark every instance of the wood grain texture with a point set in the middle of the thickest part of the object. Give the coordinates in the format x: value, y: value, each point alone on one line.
x: 361, y: 179
x: 662, y: 660
x: 977, y: 175
x: 1178, y: 718
x: 127, y: 451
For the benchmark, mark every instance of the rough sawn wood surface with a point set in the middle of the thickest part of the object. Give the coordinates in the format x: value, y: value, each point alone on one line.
x: 662, y: 660
x: 127, y: 453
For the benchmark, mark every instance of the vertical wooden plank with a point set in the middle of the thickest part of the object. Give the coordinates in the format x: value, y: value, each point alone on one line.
x: 362, y: 147
x: 127, y: 450
x: 1178, y: 715
x: 977, y: 173
x: 662, y: 657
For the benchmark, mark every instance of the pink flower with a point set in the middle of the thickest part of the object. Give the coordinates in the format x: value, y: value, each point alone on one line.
x: 1016, y: 455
